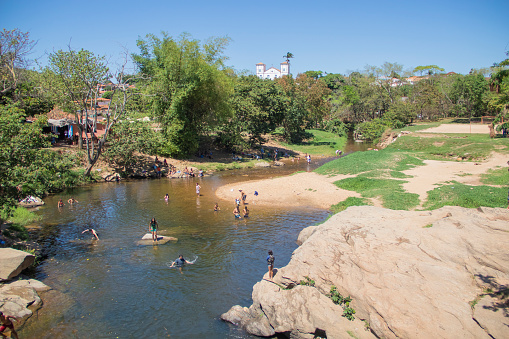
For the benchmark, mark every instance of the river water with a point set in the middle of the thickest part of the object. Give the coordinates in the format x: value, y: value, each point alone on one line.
x: 114, y: 288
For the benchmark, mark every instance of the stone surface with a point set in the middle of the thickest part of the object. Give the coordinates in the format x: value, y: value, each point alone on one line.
x: 12, y: 262
x: 161, y: 239
x: 411, y: 274
x: 20, y: 298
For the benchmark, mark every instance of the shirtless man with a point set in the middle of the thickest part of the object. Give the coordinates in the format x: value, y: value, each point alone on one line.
x: 91, y: 230
x: 6, y: 322
x: 71, y: 201
x: 236, y: 212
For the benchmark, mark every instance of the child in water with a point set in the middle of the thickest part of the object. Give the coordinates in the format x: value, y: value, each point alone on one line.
x: 216, y: 207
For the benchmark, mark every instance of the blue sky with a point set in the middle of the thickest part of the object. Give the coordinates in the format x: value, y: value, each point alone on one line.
x: 331, y: 36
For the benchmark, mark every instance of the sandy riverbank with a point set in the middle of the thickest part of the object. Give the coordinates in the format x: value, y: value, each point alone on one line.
x: 317, y: 190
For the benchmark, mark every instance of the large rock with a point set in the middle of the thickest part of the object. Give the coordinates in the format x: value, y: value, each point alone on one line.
x: 20, y: 298
x: 436, y: 274
x: 12, y: 262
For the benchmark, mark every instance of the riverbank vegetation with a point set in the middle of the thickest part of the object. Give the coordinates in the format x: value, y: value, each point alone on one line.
x: 182, y: 100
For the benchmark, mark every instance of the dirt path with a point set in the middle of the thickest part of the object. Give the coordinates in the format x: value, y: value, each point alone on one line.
x: 458, y: 128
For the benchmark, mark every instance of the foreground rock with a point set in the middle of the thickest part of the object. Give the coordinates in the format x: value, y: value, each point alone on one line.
x: 436, y: 274
x: 12, y: 262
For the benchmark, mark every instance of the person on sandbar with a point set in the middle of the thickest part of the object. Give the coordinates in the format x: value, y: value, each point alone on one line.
x: 153, y: 228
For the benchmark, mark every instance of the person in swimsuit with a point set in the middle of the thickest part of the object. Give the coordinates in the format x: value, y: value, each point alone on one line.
x: 216, y: 207
x: 198, y: 187
x: 91, y: 230
x: 180, y: 262
x: 270, y: 262
x: 60, y: 203
x: 245, y: 212
x: 236, y: 212
x: 6, y: 323
x: 166, y: 197
x: 71, y: 201
x: 153, y: 228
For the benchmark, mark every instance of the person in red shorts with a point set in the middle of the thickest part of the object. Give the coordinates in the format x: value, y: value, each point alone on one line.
x: 6, y: 322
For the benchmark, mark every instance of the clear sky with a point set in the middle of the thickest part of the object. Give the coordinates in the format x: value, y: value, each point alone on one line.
x: 331, y: 36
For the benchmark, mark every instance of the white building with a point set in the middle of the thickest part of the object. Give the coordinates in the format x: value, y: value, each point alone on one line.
x: 272, y: 73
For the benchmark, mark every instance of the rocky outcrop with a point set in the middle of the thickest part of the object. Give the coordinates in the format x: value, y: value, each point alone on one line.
x: 20, y: 298
x: 12, y: 262
x: 161, y: 239
x: 421, y: 274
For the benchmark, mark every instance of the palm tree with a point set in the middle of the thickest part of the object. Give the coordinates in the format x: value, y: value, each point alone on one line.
x: 288, y: 56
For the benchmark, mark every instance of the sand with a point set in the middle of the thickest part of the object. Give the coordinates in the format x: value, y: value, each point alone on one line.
x: 312, y: 189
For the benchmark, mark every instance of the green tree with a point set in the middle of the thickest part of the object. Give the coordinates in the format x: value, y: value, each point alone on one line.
x: 15, y: 46
x: 469, y: 95
x: 314, y: 74
x: 189, y: 87
x: 28, y: 166
x: 73, y: 77
x: 429, y: 69
x: 129, y: 138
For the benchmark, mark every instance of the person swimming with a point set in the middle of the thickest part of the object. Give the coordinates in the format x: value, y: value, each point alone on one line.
x: 91, y: 230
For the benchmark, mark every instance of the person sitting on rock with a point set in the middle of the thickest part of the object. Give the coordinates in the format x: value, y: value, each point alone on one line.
x: 6, y: 322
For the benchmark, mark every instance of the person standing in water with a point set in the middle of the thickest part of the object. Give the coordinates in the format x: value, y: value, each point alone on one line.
x: 198, y: 187
x: 236, y: 212
x: 6, y: 323
x: 216, y: 207
x: 180, y: 262
x: 60, y: 203
x: 153, y: 228
x: 167, y: 197
x: 91, y: 230
x: 270, y: 262
x: 72, y: 201
x: 245, y: 212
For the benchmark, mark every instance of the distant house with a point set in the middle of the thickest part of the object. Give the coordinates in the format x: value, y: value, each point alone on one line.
x: 272, y: 73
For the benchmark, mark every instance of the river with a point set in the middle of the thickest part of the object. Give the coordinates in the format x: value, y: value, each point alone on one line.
x: 114, y: 288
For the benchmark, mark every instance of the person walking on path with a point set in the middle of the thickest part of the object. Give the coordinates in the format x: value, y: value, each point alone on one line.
x: 270, y: 262
x: 6, y: 323
x: 153, y: 228
x: 198, y: 187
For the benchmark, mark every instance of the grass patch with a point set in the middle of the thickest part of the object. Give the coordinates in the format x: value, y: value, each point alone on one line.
x: 428, y: 226
x: 456, y: 194
x: 449, y: 147
x: 359, y: 162
x: 321, y: 143
x: 22, y: 217
x: 390, y: 191
x: 499, y: 176
x: 351, y: 201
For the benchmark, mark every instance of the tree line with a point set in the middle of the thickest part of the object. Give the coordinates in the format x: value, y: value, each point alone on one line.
x: 194, y: 99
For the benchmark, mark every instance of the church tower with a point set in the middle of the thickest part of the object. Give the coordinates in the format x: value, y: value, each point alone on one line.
x: 285, y: 68
x: 260, y: 69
